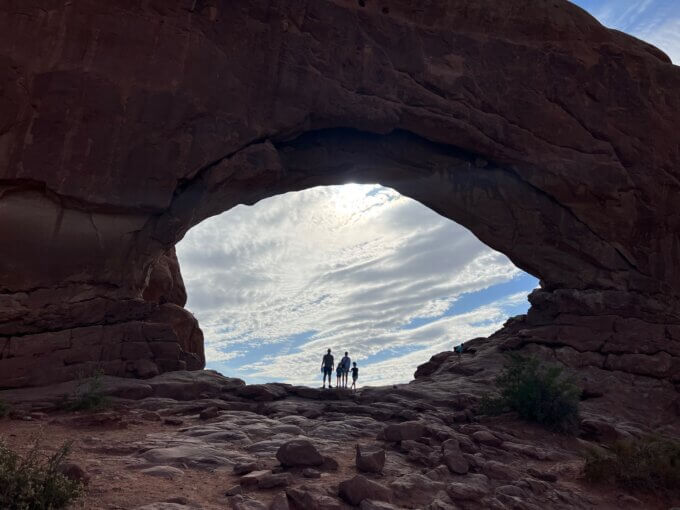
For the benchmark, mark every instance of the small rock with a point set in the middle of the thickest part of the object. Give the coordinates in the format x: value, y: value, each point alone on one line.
x: 271, y: 480
x: 415, y: 490
x: 209, y: 413
x: 454, y: 458
x: 542, y: 475
x: 438, y: 474
x: 243, y: 468
x: 441, y: 504
x: 299, y: 452
x: 472, y: 487
x: 167, y: 472
x: 253, y: 477
x: 510, y: 490
x: 262, y: 392
x: 356, y: 489
x: 598, y: 430
x: 233, y: 490
x: 499, y: 471
x: 487, y: 438
x: 151, y: 416
x: 370, y: 462
x: 241, y: 503
x: 311, y: 473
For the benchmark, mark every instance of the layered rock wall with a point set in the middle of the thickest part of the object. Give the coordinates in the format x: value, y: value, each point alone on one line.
x: 123, y: 124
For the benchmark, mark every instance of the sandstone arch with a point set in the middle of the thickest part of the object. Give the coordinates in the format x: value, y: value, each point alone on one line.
x: 122, y: 125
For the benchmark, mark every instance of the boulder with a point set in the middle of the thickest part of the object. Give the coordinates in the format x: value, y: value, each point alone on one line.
x: 370, y: 461
x: 359, y: 488
x: 486, y: 438
x: 404, y: 431
x: 280, y: 502
x: 305, y: 498
x: 299, y: 453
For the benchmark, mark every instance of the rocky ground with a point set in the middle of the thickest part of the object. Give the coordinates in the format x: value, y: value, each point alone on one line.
x: 188, y: 440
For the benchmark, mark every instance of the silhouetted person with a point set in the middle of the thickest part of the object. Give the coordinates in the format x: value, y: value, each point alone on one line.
x: 355, y: 375
x: 346, y: 364
x: 458, y: 349
x: 327, y: 364
x: 338, y: 379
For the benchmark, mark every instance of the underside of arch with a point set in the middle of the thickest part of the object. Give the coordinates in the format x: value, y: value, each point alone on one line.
x: 547, y: 135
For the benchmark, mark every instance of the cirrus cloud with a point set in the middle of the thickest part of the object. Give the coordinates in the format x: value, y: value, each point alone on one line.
x: 356, y: 267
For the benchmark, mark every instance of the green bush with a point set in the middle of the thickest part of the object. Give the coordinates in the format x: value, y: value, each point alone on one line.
x: 33, y: 482
x: 537, y: 392
x: 88, y: 394
x: 650, y: 464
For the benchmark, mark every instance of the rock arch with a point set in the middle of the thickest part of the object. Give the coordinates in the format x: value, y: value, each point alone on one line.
x: 548, y: 136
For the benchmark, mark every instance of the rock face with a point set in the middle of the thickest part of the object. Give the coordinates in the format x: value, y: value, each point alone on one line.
x: 124, y: 124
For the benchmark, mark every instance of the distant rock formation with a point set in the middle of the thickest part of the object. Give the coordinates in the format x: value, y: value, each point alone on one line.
x: 122, y: 125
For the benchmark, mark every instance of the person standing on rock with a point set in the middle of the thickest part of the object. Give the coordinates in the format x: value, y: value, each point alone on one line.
x: 458, y: 349
x: 355, y: 375
x: 327, y: 364
x: 346, y: 364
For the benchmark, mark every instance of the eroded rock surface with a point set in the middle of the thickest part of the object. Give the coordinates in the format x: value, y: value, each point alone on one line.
x: 232, y: 460
x: 124, y: 124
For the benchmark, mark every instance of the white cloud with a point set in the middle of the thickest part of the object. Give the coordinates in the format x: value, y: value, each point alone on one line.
x: 346, y: 267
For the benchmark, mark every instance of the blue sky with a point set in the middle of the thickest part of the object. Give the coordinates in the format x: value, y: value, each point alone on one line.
x: 654, y: 21
x: 360, y: 268
x: 356, y: 267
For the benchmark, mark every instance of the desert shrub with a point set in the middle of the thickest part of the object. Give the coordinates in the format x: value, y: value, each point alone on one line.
x: 33, y: 482
x: 88, y: 395
x: 650, y: 464
x: 537, y: 392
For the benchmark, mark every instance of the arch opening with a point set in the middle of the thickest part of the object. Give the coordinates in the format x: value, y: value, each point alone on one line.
x: 357, y: 268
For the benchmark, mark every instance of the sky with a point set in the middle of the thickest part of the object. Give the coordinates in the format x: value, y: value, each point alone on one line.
x: 360, y: 268
x: 355, y: 267
x: 654, y: 21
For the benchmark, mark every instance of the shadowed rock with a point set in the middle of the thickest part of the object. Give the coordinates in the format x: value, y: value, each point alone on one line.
x: 299, y: 452
x: 370, y: 461
x: 359, y: 488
